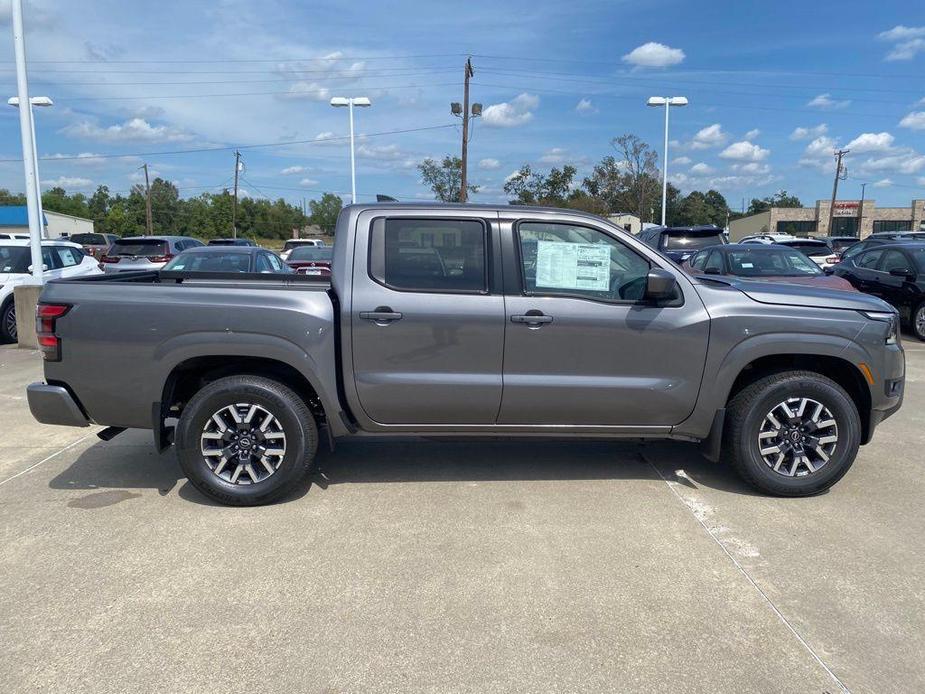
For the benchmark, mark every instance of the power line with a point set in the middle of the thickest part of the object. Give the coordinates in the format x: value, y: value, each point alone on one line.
x: 332, y: 78
x: 150, y: 61
x: 255, y: 146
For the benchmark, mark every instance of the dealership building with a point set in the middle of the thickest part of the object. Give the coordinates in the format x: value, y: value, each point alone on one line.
x: 851, y: 218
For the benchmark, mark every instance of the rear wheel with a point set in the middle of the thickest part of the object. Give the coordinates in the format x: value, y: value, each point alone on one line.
x: 794, y: 433
x: 246, y: 440
x: 8, y: 321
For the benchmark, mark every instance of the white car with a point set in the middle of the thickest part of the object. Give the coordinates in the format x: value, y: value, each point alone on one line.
x: 292, y: 244
x: 61, y: 259
x: 767, y: 238
x: 819, y: 251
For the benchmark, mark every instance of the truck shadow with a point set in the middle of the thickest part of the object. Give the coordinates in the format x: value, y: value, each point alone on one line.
x: 110, y: 465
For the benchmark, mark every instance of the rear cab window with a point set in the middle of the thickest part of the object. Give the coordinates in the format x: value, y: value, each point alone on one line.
x: 430, y: 255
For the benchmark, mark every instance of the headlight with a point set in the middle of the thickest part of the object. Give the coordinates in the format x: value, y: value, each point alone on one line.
x: 892, y: 331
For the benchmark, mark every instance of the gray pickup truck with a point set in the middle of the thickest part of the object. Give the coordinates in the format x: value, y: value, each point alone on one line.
x: 449, y: 320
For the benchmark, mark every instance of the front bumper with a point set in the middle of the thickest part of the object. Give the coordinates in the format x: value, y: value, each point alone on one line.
x: 55, y: 405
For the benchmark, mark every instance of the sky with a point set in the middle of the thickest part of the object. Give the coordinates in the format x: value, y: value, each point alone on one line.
x: 773, y: 89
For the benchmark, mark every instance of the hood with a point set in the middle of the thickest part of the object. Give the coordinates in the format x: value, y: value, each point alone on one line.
x: 787, y: 294
x: 827, y: 281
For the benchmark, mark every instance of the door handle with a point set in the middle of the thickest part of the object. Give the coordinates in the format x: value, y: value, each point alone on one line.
x: 382, y: 314
x: 532, y: 319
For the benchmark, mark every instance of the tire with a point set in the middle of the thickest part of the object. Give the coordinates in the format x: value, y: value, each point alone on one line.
x: 8, y: 321
x: 812, y: 462
x: 279, y: 421
x: 917, y: 321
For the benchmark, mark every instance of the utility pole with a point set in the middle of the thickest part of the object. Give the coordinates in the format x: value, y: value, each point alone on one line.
x: 149, y: 222
x: 234, y: 210
x: 841, y: 173
x: 861, y: 209
x: 462, y: 110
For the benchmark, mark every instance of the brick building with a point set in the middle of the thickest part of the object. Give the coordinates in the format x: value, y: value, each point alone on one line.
x: 850, y: 220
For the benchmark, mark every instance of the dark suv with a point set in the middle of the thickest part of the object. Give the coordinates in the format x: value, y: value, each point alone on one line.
x: 679, y: 243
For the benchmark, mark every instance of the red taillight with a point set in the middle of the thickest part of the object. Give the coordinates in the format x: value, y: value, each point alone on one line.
x: 160, y: 258
x: 45, y: 317
x: 109, y: 259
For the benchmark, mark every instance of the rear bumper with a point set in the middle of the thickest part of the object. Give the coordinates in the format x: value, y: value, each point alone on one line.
x: 55, y: 405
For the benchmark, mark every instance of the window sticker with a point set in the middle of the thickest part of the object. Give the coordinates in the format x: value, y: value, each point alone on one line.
x: 572, y: 266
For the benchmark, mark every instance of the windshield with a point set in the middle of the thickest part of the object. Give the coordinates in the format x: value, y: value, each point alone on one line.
x: 692, y: 242
x: 299, y: 243
x: 771, y: 262
x: 211, y: 262
x: 810, y: 247
x: 312, y: 253
x: 89, y: 239
x: 14, y: 259
x: 149, y: 247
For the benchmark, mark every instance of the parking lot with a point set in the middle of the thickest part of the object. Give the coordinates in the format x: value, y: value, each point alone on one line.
x: 457, y: 566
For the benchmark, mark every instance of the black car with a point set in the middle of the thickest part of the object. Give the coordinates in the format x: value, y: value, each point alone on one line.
x: 679, y: 243
x: 231, y: 242
x: 895, y: 273
x: 880, y: 239
x: 228, y: 259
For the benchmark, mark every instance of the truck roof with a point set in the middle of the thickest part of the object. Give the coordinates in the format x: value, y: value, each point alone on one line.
x: 473, y: 207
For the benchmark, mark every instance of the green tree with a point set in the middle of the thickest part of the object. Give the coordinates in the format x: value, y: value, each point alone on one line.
x: 444, y: 178
x: 57, y: 200
x: 779, y: 199
x: 325, y: 211
x: 529, y: 187
x: 8, y: 198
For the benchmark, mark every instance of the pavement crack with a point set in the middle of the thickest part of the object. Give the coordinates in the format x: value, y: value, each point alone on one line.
x: 780, y: 615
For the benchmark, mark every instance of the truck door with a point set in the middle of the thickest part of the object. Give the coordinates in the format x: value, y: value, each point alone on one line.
x: 581, y: 347
x: 427, y: 331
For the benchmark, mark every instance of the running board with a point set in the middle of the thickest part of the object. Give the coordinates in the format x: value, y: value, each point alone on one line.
x: 109, y: 433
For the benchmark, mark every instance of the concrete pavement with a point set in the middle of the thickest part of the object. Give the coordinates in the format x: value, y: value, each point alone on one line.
x: 423, y: 566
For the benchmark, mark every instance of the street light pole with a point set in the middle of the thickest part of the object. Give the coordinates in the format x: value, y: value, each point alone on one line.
x: 28, y: 142
x: 350, y: 102
x: 667, y: 102
x: 34, y: 101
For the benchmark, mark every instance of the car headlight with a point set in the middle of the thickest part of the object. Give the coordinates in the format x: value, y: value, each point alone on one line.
x: 892, y: 319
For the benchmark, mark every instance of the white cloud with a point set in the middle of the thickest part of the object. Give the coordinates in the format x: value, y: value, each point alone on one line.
x: 308, y: 90
x: 744, y: 151
x: 808, y: 133
x: 905, y: 161
x: 752, y: 167
x: 701, y: 169
x: 585, y: 106
x: 818, y: 154
x: 871, y: 142
x: 291, y: 170
x: 681, y: 161
x: 489, y: 164
x: 901, y: 33
x: 87, y: 158
x: 132, y: 130
x: 654, y: 54
x: 512, y: 113
x: 883, y: 183
x: 308, y: 182
x: 913, y: 121
x: 752, y: 134
x: 711, y: 136
x: 906, y: 50
x: 68, y: 182
x: 556, y: 155
x: 826, y: 102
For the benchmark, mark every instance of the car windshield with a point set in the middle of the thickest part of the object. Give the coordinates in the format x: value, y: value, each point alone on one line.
x: 691, y: 242
x: 89, y: 239
x: 14, y: 259
x: 149, y: 247
x: 311, y: 253
x: 810, y: 247
x: 771, y: 262
x: 210, y: 262
x: 296, y: 243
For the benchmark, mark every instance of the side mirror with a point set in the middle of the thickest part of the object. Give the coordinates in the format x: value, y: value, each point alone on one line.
x: 903, y: 272
x: 660, y: 286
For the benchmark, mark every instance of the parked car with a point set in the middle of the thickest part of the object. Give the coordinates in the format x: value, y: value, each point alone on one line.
x: 60, y: 259
x: 819, y: 251
x: 94, y: 244
x: 679, y: 242
x: 228, y: 259
x: 231, y: 242
x: 892, y: 272
x: 763, y: 262
x: 604, y: 337
x: 141, y: 253
x: 766, y: 238
x: 296, y: 243
x: 872, y: 241
x: 10, y: 237
x: 311, y: 260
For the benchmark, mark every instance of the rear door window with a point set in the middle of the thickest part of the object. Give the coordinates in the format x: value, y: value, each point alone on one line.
x: 439, y: 255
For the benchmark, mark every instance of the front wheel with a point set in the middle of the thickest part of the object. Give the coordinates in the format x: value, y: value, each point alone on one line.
x: 246, y: 440
x: 8, y: 321
x: 794, y: 433
x: 918, y: 321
